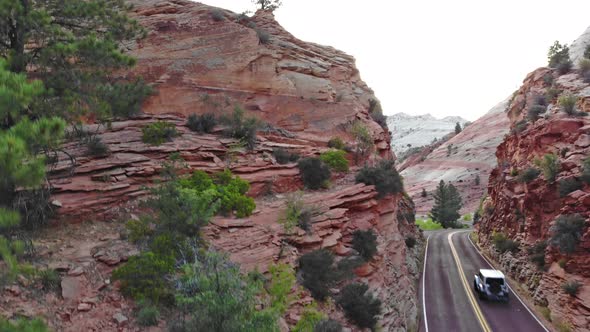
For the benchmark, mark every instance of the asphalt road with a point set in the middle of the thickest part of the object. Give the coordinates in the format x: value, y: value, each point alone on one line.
x: 448, y: 299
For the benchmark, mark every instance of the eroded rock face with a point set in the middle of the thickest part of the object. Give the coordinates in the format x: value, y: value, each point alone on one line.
x: 459, y: 159
x: 201, y: 65
x: 526, y: 211
x: 306, y: 93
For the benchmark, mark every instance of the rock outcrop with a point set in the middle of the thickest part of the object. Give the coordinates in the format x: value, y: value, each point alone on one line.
x: 411, y: 132
x: 304, y: 93
x: 458, y: 159
x: 202, y: 65
x: 525, y: 210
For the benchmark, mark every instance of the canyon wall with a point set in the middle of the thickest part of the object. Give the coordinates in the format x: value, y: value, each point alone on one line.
x: 526, y: 210
x: 304, y: 93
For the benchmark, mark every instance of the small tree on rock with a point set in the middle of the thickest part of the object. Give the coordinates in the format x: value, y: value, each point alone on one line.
x: 269, y: 5
x: 457, y: 128
x: 424, y: 194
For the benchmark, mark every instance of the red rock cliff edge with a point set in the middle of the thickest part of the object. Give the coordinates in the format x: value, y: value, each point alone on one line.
x: 526, y: 211
x: 305, y: 92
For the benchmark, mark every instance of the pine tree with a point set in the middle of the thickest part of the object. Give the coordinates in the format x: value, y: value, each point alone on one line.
x: 21, y: 165
x: 72, y: 46
x: 477, y: 180
x: 270, y: 5
x: 457, y: 128
x: 424, y: 194
x: 447, y: 203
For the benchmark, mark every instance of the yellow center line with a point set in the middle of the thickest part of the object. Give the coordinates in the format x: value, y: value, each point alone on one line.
x: 478, y: 313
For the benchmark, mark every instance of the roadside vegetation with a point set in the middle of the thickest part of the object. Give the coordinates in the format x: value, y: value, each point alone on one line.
x: 428, y: 224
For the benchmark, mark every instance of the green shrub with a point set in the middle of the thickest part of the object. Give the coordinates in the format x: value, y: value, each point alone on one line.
x: 410, y: 242
x: 365, y: 243
x: 566, y: 232
x: 571, y: 288
x: 283, y: 156
x: 336, y: 160
x: 587, y: 52
x: 384, y: 177
x: 318, y: 273
x: 241, y: 127
x: 528, y: 175
x: 143, y: 277
x: 504, y: 244
x: 376, y: 113
x: 520, y: 126
x: 50, y: 280
x: 550, y: 166
x: 584, y: 65
x: 585, y: 177
x: 363, y: 139
x: 310, y: 318
x: 23, y: 325
x: 263, y: 36
x: 314, y: 172
x: 296, y: 214
x: 232, y: 190
x: 568, y: 103
x: 282, y: 280
x: 158, y: 132
x: 95, y: 146
x: 359, y: 306
x: 201, y: 123
x: 564, y: 67
x: 467, y: 217
x: 336, y: 143
x: 217, y: 15
x: 212, y: 295
x: 537, y: 253
x: 535, y: 111
x: 125, y: 98
x: 148, y: 316
x: 558, y: 54
x: 328, y: 325
x: 138, y: 230
x: 566, y: 186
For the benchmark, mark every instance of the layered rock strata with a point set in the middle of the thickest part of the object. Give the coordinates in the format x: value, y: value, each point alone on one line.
x: 305, y: 94
x: 526, y: 211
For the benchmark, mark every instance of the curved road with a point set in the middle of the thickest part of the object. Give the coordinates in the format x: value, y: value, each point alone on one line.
x: 448, y: 300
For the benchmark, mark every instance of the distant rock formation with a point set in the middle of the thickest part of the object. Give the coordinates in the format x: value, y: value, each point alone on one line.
x: 579, y: 45
x: 458, y: 159
x: 409, y: 131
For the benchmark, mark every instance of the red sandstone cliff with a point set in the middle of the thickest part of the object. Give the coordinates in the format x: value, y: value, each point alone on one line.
x: 306, y: 93
x: 457, y: 159
x: 526, y: 211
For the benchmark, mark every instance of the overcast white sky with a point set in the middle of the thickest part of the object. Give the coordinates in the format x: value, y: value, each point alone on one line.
x: 451, y: 57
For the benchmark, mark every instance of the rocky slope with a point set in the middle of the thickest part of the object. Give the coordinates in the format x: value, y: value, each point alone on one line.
x: 305, y: 93
x: 458, y: 159
x: 409, y: 131
x: 525, y: 212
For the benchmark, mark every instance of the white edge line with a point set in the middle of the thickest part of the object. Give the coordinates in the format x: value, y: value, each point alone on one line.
x: 424, y: 284
x: 512, y: 290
